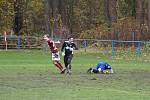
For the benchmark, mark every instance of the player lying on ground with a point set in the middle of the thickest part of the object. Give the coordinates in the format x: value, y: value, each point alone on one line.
x: 102, y: 67
x: 55, y: 53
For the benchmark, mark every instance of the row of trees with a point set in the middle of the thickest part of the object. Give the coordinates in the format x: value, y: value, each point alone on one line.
x: 102, y: 19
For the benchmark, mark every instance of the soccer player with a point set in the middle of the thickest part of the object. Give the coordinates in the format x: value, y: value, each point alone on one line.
x: 67, y: 52
x: 102, y: 67
x: 55, y: 53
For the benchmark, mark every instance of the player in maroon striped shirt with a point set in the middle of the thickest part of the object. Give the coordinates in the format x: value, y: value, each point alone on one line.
x: 55, y: 53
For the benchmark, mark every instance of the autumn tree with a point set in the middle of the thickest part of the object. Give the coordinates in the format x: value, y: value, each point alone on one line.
x: 18, y: 16
x: 6, y: 15
x: 106, y: 11
x: 110, y: 10
x: 149, y: 18
x: 62, y: 18
x: 139, y: 11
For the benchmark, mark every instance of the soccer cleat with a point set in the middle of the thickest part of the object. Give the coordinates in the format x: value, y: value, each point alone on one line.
x: 69, y: 71
x: 89, y: 70
x: 63, y: 71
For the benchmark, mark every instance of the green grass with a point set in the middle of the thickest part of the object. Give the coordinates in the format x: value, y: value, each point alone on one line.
x: 30, y: 75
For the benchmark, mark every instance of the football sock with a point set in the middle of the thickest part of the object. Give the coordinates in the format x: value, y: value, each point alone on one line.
x: 58, y: 66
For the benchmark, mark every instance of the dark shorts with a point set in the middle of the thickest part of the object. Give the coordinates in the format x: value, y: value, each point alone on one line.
x: 68, y: 59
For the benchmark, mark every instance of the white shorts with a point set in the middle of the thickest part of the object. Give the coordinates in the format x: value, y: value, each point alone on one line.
x: 55, y: 56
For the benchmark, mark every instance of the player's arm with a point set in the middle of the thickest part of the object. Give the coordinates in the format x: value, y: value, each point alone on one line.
x: 50, y: 42
x: 63, y: 47
x: 111, y: 71
x: 108, y: 70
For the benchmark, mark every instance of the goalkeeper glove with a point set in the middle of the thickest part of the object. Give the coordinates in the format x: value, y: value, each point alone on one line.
x: 63, y: 53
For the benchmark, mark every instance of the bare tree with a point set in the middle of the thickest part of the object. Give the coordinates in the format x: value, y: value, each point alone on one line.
x: 110, y: 11
x: 55, y: 17
x: 18, y: 16
x: 149, y: 17
x: 113, y: 10
x: 139, y: 11
x: 106, y: 11
x: 62, y: 10
x: 47, y: 17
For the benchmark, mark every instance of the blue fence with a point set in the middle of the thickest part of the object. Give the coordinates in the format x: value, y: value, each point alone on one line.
x: 115, y: 48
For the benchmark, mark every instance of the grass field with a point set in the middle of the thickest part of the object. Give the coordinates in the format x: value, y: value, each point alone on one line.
x: 30, y: 75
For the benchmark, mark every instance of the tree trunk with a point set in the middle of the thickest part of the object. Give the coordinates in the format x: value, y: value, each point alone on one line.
x: 55, y: 17
x: 148, y: 19
x: 106, y: 11
x: 70, y: 16
x: 47, y: 17
x: 110, y: 11
x: 62, y: 11
x: 18, y: 19
x: 139, y: 7
x: 139, y: 11
x: 113, y: 10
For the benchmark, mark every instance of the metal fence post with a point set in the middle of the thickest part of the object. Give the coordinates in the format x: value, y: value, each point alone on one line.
x: 113, y: 48
x: 28, y: 40
x: 139, y: 48
x: 19, y: 40
x: 85, y: 44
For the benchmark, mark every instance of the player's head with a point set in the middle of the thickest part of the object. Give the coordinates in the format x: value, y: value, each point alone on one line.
x: 46, y: 37
x: 70, y: 39
x: 107, y: 66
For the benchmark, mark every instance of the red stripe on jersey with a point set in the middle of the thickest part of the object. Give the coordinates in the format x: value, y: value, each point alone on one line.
x: 52, y: 46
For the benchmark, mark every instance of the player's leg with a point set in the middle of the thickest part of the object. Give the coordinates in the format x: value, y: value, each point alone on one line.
x: 67, y: 64
x: 63, y: 69
x: 69, y: 59
x: 95, y: 71
x: 55, y: 62
x: 61, y: 66
x: 92, y: 70
x: 65, y: 61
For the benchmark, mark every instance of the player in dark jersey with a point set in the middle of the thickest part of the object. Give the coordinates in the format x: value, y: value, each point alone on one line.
x: 67, y: 52
x: 55, y: 53
x: 101, y: 67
